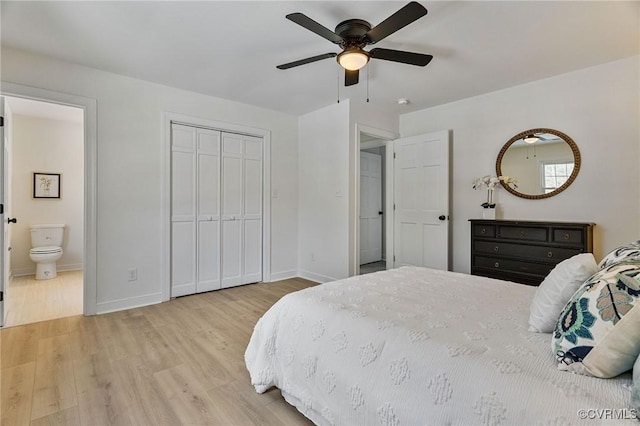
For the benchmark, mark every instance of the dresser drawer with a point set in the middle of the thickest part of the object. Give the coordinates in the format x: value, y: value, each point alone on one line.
x: 523, y: 251
x: 500, y: 264
x: 523, y: 233
x: 488, y: 231
x: 568, y: 236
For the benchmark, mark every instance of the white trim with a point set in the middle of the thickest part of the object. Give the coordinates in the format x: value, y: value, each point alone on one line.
x: 284, y: 275
x: 89, y: 106
x: 171, y: 117
x: 129, y: 303
x: 60, y: 268
x: 354, y: 231
x: 311, y: 276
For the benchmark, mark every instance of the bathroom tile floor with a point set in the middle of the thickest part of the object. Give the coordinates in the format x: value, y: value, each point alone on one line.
x: 29, y: 300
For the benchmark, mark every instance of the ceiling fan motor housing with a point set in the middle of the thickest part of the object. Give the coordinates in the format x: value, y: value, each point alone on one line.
x: 353, y: 32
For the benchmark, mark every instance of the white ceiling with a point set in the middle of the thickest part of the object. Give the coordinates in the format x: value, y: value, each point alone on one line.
x: 230, y: 49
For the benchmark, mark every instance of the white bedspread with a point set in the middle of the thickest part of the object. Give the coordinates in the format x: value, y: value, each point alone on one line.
x: 415, y: 346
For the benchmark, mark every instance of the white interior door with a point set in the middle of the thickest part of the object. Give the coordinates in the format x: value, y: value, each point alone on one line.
x: 241, y: 209
x: 421, y: 197
x: 370, y: 207
x: 4, y: 275
x: 232, y: 147
x: 183, y: 210
x: 216, y: 209
x: 252, y: 210
x: 208, y: 206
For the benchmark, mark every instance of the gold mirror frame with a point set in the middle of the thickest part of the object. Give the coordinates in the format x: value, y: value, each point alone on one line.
x: 519, y: 136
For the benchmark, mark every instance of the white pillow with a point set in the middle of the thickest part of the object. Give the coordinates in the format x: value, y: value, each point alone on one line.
x: 557, y: 288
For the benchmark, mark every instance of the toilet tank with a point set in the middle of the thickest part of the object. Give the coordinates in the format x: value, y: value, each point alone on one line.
x: 47, y: 235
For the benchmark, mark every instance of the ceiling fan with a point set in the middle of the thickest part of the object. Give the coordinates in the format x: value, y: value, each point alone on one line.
x: 353, y: 35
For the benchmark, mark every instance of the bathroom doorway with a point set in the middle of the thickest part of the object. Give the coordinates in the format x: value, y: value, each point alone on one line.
x: 372, y: 201
x: 45, y: 174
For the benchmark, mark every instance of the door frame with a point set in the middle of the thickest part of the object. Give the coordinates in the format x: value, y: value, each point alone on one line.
x: 354, y: 223
x: 167, y: 119
x: 89, y: 107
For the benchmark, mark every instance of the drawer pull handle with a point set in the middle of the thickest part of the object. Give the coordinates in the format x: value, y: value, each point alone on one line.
x: 497, y: 264
x: 496, y: 248
x: 567, y: 236
x: 483, y: 231
x: 550, y: 254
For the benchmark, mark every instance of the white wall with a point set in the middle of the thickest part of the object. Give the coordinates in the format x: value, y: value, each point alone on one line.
x: 329, y: 156
x: 323, y: 216
x: 597, y: 107
x: 129, y: 167
x: 51, y: 146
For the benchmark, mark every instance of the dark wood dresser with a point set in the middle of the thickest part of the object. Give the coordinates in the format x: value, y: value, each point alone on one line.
x: 525, y: 251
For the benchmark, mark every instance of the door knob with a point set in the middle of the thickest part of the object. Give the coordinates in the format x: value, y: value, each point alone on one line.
x: 380, y: 212
x: 12, y: 220
x: 442, y: 217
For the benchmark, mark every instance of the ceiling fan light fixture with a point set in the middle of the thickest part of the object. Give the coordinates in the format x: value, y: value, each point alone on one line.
x: 353, y: 60
x: 530, y: 139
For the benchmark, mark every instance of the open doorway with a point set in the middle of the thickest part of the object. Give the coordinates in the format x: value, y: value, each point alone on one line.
x: 372, y: 204
x: 44, y: 180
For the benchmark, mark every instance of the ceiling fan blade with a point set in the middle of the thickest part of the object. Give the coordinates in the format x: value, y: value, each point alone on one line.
x: 307, y: 61
x: 313, y: 26
x: 351, y: 77
x: 410, y: 58
x: 398, y: 20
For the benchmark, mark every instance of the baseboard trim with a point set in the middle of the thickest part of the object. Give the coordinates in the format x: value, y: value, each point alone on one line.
x: 284, y: 275
x: 70, y: 267
x: 32, y: 270
x: 315, y: 277
x: 128, y: 303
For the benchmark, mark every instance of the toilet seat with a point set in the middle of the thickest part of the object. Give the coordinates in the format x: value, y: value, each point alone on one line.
x: 45, y: 250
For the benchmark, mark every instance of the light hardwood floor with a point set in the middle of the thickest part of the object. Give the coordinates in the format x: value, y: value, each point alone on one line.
x: 29, y: 300
x: 179, y: 362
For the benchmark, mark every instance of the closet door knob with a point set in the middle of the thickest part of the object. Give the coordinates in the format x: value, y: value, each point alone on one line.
x: 12, y: 220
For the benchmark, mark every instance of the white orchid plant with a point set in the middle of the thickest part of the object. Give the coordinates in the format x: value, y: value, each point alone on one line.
x: 491, y: 183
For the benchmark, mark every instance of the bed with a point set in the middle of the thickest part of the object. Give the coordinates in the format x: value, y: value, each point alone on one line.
x: 415, y: 346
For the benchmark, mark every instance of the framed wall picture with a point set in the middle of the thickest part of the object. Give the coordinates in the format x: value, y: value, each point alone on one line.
x: 46, y: 185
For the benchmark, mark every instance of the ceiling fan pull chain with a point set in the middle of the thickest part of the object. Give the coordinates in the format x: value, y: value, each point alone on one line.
x: 367, y: 84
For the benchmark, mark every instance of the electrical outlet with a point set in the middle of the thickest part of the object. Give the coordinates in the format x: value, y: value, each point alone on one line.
x: 132, y: 274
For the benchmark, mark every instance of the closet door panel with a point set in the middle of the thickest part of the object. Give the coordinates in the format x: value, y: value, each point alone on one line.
x: 183, y: 200
x: 252, y: 188
x: 231, y: 194
x: 208, y: 256
x: 252, y: 261
x: 231, y: 253
x: 183, y: 210
x: 252, y: 217
x: 208, y: 210
x: 231, y: 174
x: 183, y: 258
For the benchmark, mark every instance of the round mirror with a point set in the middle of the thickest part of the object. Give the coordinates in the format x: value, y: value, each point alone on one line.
x: 544, y: 163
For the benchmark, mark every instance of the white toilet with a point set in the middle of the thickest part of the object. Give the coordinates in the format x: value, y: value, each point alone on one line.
x: 46, y: 241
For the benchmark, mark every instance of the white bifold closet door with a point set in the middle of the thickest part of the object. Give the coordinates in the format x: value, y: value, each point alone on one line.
x: 216, y: 203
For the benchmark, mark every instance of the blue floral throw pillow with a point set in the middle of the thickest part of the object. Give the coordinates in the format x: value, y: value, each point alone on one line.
x: 598, y: 332
x: 629, y: 251
x: 635, y: 390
